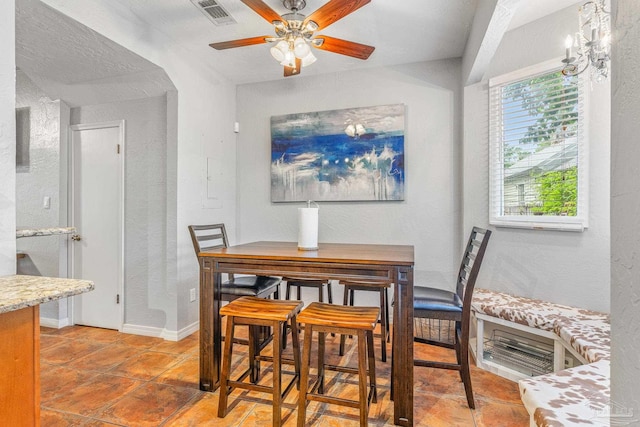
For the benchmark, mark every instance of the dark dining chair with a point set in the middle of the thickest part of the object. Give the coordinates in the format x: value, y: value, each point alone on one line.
x: 432, y: 303
x: 214, y: 236
x: 211, y: 237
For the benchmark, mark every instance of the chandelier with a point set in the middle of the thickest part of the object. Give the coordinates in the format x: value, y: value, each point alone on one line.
x: 294, y: 37
x: 592, y: 42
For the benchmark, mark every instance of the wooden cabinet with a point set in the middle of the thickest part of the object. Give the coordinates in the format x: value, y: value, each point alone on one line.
x: 20, y: 367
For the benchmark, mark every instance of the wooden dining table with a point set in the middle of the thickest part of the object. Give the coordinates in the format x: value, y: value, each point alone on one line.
x: 338, y: 261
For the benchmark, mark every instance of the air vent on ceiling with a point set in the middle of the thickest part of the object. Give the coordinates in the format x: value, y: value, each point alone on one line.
x: 213, y: 10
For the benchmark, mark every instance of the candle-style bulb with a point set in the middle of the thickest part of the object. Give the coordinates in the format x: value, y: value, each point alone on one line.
x: 568, y: 42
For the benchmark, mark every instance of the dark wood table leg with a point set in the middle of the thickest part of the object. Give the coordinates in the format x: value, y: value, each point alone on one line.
x: 403, y: 348
x: 210, y: 326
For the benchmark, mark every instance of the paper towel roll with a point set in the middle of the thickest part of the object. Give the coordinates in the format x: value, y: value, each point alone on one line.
x: 308, y: 229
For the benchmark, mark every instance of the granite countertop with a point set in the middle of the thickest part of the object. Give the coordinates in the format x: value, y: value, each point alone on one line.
x: 19, y: 291
x: 51, y: 231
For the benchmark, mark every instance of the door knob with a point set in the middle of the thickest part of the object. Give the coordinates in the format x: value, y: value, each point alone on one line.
x: 76, y: 237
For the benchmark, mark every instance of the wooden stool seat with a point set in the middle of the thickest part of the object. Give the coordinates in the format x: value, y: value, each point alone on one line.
x: 256, y: 313
x: 259, y: 308
x: 340, y: 316
x: 327, y: 318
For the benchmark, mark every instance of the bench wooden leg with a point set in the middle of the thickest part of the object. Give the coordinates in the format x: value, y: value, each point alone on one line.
x: 558, y: 356
x: 479, y: 342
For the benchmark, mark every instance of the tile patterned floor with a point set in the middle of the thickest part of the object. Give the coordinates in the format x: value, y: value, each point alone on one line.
x: 97, y: 377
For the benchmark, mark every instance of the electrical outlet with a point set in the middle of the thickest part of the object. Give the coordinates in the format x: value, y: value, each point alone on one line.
x: 192, y: 294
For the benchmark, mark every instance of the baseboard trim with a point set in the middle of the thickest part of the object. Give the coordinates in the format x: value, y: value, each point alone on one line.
x: 150, y: 331
x: 54, y: 323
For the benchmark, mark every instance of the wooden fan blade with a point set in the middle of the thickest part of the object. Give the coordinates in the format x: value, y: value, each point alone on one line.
x: 290, y: 71
x: 333, y: 11
x: 344, y: 47
x: 262, y: 9
x: 239, y: 43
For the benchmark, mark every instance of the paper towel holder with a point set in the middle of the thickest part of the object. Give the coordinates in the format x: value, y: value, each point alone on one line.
x: 308, y: 227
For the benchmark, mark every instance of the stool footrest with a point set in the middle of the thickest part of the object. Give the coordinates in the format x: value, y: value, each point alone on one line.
x: 245, y: 386
x: 345, y: 369
x: 262, y: 388
x: 340, y: 401
x: 242, y: 376
x: 283, y: 361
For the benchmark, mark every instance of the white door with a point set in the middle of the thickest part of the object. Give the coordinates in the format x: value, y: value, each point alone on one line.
x: 97, y: 160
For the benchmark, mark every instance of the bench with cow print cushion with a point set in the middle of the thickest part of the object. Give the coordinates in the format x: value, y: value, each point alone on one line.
x: 567, y: 397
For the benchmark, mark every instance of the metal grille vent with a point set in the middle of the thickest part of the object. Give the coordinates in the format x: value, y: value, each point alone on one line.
x: 214, y: 11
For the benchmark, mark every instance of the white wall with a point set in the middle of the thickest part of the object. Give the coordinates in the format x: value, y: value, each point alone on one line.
x: 564, y: 267
x: 428, y: 217
x: 148, y: 295
x: 39, y: 180
x: 205, y: 106
x: 625, y: 207
x: 7, y: 139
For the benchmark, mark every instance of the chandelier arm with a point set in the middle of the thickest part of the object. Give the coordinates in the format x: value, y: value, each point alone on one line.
x: 593, y: 21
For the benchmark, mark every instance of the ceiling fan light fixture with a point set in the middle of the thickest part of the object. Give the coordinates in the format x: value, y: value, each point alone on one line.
x: 294, y: 33
x: 289, y: 59
x: 280, y: 50
x: 308, y: 59
x: 301, y: 48
x: 311, y: 26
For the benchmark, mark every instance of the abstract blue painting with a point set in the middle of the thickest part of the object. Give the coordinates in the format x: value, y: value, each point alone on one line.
x: 355, y: 154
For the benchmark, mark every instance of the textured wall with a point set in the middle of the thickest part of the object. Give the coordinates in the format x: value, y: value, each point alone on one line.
x: 625, y: 207
x: 565, y: 267
x: 428, y: 217
x: 40, y: 180
x: 204, y: 107
x: 7, y: 139
x: 147, y: 292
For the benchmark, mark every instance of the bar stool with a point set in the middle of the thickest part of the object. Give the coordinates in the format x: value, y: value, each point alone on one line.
x: 256, y: 312
x: 294, y: 282
x: 327, y: 318
x: 350, y: 287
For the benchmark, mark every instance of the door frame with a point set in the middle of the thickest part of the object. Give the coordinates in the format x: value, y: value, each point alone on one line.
x: 121, y: 189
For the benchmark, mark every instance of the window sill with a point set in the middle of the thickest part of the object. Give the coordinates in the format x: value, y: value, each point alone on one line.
x: 576, y: 226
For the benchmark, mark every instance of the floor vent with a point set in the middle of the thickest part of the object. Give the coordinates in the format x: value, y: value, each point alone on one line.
x: 214, y: 11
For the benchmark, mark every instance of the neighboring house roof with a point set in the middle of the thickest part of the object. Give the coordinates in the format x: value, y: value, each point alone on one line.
x: 559, y: 156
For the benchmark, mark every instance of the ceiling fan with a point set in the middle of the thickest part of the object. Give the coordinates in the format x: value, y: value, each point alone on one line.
x: 295, y: 33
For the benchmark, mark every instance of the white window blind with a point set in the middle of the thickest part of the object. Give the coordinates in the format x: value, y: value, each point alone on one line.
x: 538, y: 151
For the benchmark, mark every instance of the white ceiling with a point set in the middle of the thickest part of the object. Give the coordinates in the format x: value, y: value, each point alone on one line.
x: 402, y: 32
x: 407, y: 31
x: 530, y: 10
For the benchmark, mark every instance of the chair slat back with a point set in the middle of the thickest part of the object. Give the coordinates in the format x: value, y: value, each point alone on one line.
x: 208, y: 237
x: 470, y: 265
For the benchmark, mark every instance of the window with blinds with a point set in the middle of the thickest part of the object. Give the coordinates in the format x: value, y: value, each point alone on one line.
x: 537, y: 151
